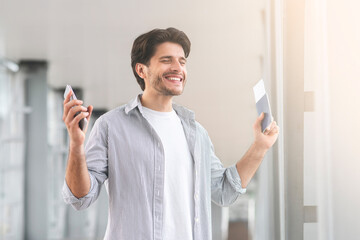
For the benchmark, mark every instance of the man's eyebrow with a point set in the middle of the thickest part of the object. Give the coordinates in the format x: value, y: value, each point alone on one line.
x: 165, y: 57
x: 169, y: 57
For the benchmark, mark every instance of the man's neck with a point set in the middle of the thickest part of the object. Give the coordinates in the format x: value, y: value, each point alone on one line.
x: 157, y: 102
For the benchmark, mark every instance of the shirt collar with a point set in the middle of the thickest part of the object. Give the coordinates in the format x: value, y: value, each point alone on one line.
x: 181, y: 111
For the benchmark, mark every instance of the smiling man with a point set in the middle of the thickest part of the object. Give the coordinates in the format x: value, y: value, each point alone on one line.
x: 157, y: 161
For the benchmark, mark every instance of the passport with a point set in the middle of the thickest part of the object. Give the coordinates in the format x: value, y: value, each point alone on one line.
x: 262, y: 104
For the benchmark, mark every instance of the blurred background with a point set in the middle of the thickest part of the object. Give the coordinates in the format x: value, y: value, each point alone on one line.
x: 307, y: 52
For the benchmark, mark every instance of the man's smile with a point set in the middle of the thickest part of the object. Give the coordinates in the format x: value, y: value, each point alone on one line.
x: 175, y: 78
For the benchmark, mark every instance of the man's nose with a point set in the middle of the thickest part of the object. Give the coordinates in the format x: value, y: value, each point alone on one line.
x: 176, y: 66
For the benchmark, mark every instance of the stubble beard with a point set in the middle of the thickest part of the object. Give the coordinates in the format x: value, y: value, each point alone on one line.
x: 161, y: 88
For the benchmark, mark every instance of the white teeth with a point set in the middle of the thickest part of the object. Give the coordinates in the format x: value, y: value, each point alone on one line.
x: 174, y: 79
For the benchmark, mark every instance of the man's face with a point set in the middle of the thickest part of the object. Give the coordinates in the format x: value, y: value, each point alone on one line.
x: 166, y: 73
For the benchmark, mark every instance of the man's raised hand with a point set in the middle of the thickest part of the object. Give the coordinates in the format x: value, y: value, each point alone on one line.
x: 268, y: 138
x: 77, y: 136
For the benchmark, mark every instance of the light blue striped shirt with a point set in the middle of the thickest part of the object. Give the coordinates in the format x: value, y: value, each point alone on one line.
x: 125, y: 151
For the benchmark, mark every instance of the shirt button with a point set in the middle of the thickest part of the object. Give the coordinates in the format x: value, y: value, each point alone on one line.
x: 196, y: 219
x: 196, y: 196
x: 158, y: 144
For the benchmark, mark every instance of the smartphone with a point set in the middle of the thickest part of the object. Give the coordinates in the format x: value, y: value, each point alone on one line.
x: 83, y: 122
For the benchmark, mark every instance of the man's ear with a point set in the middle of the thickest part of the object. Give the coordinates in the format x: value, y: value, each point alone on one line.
x: 140, y: 70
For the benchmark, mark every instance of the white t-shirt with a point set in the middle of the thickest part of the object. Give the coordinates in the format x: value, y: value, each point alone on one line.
x: 179, y: 169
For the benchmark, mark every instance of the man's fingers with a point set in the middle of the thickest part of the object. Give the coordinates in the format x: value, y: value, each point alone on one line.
x: 270, y: 128
x: 75, y: 110
x: 69, y: 105
x: 71, y: 113
x: 261, y: 117
x: 272, y: 125
x: 257, y: 124
x: 274, y: 131
x: 67, y: 98
x: 89, y: 110
x: 79, y: 117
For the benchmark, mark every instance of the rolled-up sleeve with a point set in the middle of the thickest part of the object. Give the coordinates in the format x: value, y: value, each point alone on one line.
x: 225, y: 182
x: 97, y: 164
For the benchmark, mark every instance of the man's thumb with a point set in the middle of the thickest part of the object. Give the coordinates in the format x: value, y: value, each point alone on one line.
x: 257, y: 124
x: 261, y: 117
